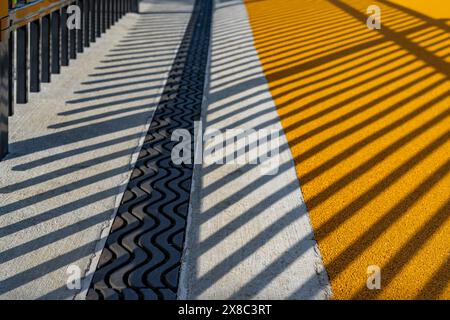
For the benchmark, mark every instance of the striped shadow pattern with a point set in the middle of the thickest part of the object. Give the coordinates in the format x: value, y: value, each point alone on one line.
x: 141, y: 258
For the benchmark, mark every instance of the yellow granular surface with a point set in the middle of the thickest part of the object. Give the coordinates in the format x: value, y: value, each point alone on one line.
x: 367, y: 116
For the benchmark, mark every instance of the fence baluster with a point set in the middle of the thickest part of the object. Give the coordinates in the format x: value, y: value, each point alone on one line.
x: 117, y: 10
x: 4, y: 95
x: 93, y: 15
x: 73, y: 43
x: 35, y: 40
x: 108, y: 14
x: 103, y: 15
x: 111, y: 12
x: 11, y: 72
x: 40, y: 44
x: 80, y: 46
x: 45, y: 52
x: 86, y: 22
x: 98, y: 18
x: 56, y: 34
x: 64, y: 38
x: 22, y: 65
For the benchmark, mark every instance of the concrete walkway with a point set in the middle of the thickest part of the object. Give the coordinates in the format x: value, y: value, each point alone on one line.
x: 358, y: 163
x: 72, y: 151
x: 74, y: 145
x: 249, y: 235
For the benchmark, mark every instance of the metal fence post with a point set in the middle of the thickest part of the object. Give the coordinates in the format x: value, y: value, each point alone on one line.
x: 108, y: 13
x: 104, y: 15
x: 80, y: 45
x: 98, y: 18
x: 4, y: 79
x: 10, y: 67
x: 35, y: 39
x: 117, y: 10
x: 134, y: 6
x: 72, y: 43
x: 41, y: 39
x: 45, y: 52
x: 64, y: 38
x: 11, y: 73
x: 22, y: 65
x: 56, y: 41
x: 113, y: 12
x: 93, y: 16
x: 86, y: 25
x: 4, y: 95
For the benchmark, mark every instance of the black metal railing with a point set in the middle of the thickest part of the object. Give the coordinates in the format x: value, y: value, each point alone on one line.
x: 37, y: 32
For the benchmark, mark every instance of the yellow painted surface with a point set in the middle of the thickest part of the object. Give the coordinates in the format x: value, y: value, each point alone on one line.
x: 367, y: 116
x: 437, y: 9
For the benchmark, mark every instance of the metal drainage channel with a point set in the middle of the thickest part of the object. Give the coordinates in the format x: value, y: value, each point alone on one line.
x: 141, y: 259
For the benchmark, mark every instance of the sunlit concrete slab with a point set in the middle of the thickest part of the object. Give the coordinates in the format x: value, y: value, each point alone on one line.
x: 249, y: 235
x: 72, y: 148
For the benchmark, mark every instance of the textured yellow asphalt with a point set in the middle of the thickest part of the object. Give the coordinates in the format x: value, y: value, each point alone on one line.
x: 367, y: 116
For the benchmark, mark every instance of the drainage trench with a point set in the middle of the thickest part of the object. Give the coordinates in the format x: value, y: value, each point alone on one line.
x: 141, y: 258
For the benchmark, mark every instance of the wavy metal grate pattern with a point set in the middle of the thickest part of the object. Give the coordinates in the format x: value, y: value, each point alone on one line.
x: 141, y: 259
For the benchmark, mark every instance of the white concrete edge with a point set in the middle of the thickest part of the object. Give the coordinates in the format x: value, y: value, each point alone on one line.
x: 183, y: 287
x: 107, y: 225
x: 319, y: 266
x: 194, y: 198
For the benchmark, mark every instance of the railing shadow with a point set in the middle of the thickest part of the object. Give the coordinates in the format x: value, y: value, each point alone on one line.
x: 366, y: 116
x: 101, y: 125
